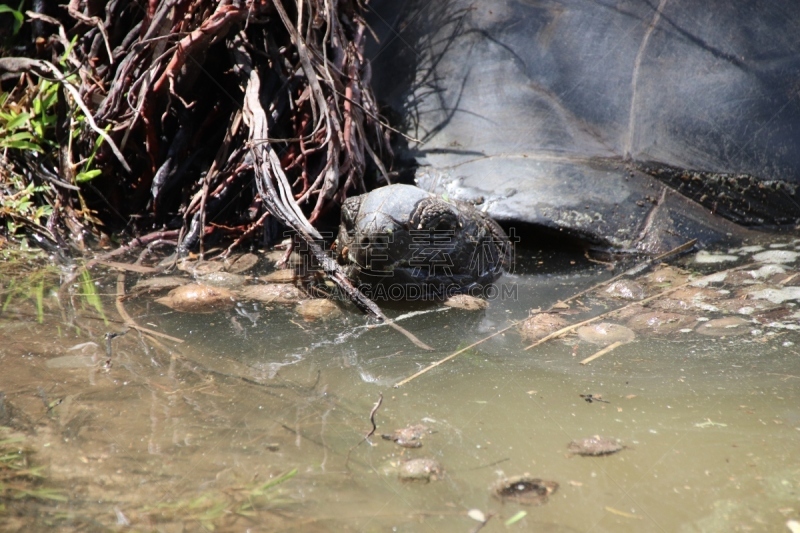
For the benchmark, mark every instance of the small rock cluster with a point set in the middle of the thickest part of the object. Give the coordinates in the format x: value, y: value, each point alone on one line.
x: 757, y: 293
x: 217, y: 285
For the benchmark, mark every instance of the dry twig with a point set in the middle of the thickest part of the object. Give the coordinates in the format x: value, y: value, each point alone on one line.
x: 371, y: 432
x: 600, y: 353
x: 128, y: 320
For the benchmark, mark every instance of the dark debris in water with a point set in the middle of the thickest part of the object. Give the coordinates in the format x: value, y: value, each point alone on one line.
x: 589, y: 398
x: 524, y: 489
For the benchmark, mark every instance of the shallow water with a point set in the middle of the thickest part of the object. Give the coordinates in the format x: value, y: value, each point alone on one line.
x: 168, y: 436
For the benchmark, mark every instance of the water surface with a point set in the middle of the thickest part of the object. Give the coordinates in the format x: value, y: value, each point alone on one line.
x: 166, y: 436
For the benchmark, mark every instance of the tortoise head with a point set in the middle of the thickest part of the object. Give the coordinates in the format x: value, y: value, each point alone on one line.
x: 366, y: 236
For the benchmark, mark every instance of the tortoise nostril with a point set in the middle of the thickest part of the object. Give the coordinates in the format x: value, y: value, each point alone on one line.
x: 375, y: 242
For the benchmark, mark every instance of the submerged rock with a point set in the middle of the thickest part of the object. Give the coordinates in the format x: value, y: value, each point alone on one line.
x: 277, y: 293
x: 671, y: 305
x: 161, y: 283
x: 408, y: 437
x: 777, y: 316
x: 420, y: 470
x: 724, y: 327
x: 707, y: 258
x: 625, y: 289
x: 241, y: 263
x: 466, y: 302
x: 605, y: 333
x: 776, y: 295
x: 667, y: 276
x: 690, y: 295
x: 540, y: 325
x: 226, y: 280
x: 767, y: 272
x: 197, y: 298
x: 746, y: 307
x: 200, y: 267
x: 285, y: 275
x: 777, y: 256
x: 660, y: 322
x: 317, y: 309
x: 595, y: 446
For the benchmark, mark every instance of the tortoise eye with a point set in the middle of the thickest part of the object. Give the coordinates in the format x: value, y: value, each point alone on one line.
x: 349, y: 213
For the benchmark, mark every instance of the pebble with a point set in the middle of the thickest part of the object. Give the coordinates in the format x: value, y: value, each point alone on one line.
x: 198, y: 298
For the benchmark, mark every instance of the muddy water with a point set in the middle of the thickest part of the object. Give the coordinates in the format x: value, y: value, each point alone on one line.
x: 156, y: 435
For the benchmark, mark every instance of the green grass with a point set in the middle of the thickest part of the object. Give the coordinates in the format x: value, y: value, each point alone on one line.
x: 210, y: 508
x: 28, y: 275
x: 19, y: 478
x: 28, y: 124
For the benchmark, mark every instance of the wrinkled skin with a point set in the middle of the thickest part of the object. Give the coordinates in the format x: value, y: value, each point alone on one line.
x: 404, y: 236
x: 629, y: 124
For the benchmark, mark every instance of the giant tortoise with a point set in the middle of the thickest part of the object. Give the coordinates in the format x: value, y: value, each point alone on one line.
x: 403, y: 243
x: 629, y: 124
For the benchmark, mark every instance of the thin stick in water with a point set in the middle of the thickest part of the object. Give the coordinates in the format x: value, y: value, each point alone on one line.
x: 609, y: 348
x: 372, y: 431
x: 452, y: 355
x: 372, y: 416
x: 128, y: 319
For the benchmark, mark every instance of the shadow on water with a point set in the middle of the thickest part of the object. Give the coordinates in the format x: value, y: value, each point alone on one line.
x: 256, y: 420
